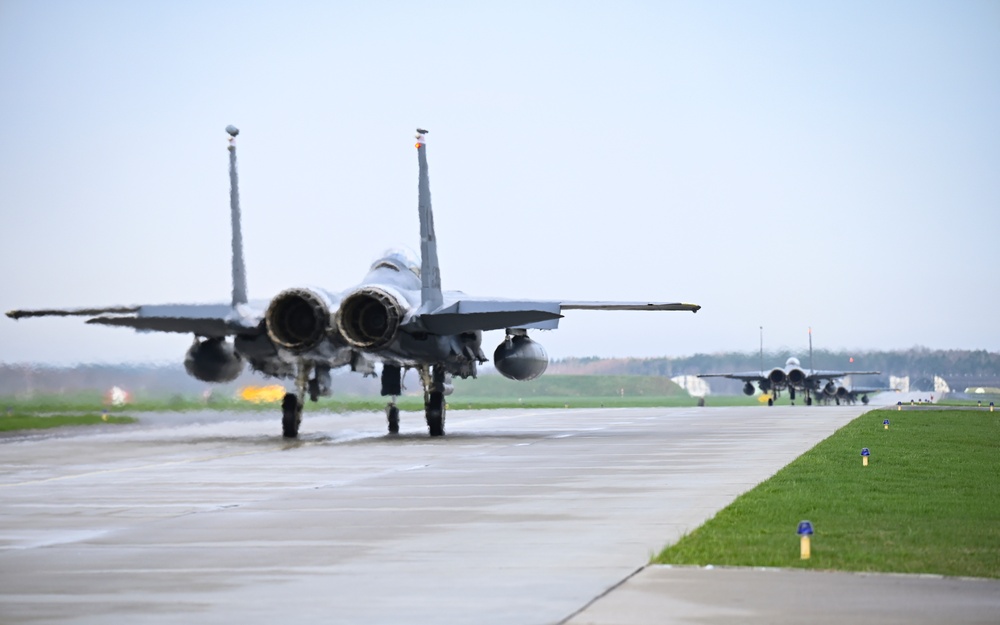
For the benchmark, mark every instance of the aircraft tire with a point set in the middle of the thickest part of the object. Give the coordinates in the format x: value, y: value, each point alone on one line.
x: 291, y: 415
x: 392, y: 416
x: 434, y: 411
x: 770, y: 402
x: 809, y: 401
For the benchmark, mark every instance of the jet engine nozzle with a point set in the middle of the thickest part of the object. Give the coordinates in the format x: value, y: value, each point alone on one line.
x: 520, y: 358
x: 843, y: 393
x: 776, y: 377
x: 369, y: 318
x: 213, y: 360
x: 796, y: 377
x: 830, y: 389
x: 297, y: 319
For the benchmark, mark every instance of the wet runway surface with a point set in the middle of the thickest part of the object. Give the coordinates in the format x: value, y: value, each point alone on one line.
x: 517, y: 516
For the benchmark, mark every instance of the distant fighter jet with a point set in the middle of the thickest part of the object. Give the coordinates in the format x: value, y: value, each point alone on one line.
x: 397, y: 316
x: 792, y: 377
x: 842, y: 394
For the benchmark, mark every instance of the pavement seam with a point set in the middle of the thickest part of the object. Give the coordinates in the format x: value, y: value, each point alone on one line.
x: 603, y: 594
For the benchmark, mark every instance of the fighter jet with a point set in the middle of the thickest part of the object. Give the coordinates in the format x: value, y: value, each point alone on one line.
x: 397, y: 316
x: 792, y: 377
x: 849, y: 395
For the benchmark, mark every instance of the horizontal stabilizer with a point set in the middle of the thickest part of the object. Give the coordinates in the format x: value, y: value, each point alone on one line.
x: 470, y: 315
x: 470, y: 322
x: 201, y: 327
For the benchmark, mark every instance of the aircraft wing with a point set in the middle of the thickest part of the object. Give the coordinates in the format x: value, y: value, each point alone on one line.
x: 469, y: 314
x: 207, y: 320
x: 831, y: 375
x: 746, y: 376
x: 628, y: 306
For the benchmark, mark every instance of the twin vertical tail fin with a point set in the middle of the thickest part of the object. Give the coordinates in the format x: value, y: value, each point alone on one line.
x: 239, y: 268
x: 430, y: 270
x: 811, y: 368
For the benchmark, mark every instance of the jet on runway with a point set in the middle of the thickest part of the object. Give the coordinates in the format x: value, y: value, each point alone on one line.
x: 398, y: 315
x: 850, y: 395
x: 792, y: 377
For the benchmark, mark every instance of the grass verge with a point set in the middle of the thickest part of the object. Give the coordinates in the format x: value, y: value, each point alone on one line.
x: 18, y: 421
x: 90, y: 402
x: 929, y: 502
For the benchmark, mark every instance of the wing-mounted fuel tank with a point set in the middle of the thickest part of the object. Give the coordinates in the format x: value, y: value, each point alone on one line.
x: 213, y: 360
x: 748, y: 389
x: 830, y: 389
x: 369, y: 318
x: 520, y: 358
x: 297, y: 319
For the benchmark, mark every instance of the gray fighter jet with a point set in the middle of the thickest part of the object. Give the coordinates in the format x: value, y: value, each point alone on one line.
x: 841, y: 394
x: 792, y: 377
x: 397, y: 316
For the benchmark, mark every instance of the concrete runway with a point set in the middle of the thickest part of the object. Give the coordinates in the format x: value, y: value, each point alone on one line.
x: 517, y: 516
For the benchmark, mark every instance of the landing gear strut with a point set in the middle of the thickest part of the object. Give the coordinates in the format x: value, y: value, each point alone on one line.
x: 434, y: 406
x: 392, y: 386
x: 291, y: 405
x: 392, y: 416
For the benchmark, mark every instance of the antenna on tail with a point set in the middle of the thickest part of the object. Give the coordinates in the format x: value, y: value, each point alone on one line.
x: 239, y: 268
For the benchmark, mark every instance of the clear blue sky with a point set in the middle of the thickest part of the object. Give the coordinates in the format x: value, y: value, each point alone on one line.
x: 783, y: 164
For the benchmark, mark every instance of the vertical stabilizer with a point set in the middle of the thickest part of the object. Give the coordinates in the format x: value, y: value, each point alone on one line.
x: 430, y: 271
x: 239, y: 269
x: 762, y: 348
x: 811, y: 350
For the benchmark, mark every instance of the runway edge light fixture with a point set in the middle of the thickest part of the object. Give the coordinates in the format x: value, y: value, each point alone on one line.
x: 805, y: 531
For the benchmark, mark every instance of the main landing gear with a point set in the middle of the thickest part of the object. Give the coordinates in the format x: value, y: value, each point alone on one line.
x: 433, y: 381
x: 291, y: 415
x: 434, y: 400
x: 291, y: 404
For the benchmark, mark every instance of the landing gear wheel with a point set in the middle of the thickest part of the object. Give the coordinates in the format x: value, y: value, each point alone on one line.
x: 392, y: 416
x: 809, y: 401
x: 434, y: 411
x: 770, y: 402
x: 291, y: 415
x: 314, y: 390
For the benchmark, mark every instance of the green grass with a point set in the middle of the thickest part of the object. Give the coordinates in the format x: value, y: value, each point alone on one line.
x: 487, y: 392
x: 20, y: 421
x: 929, y: 502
